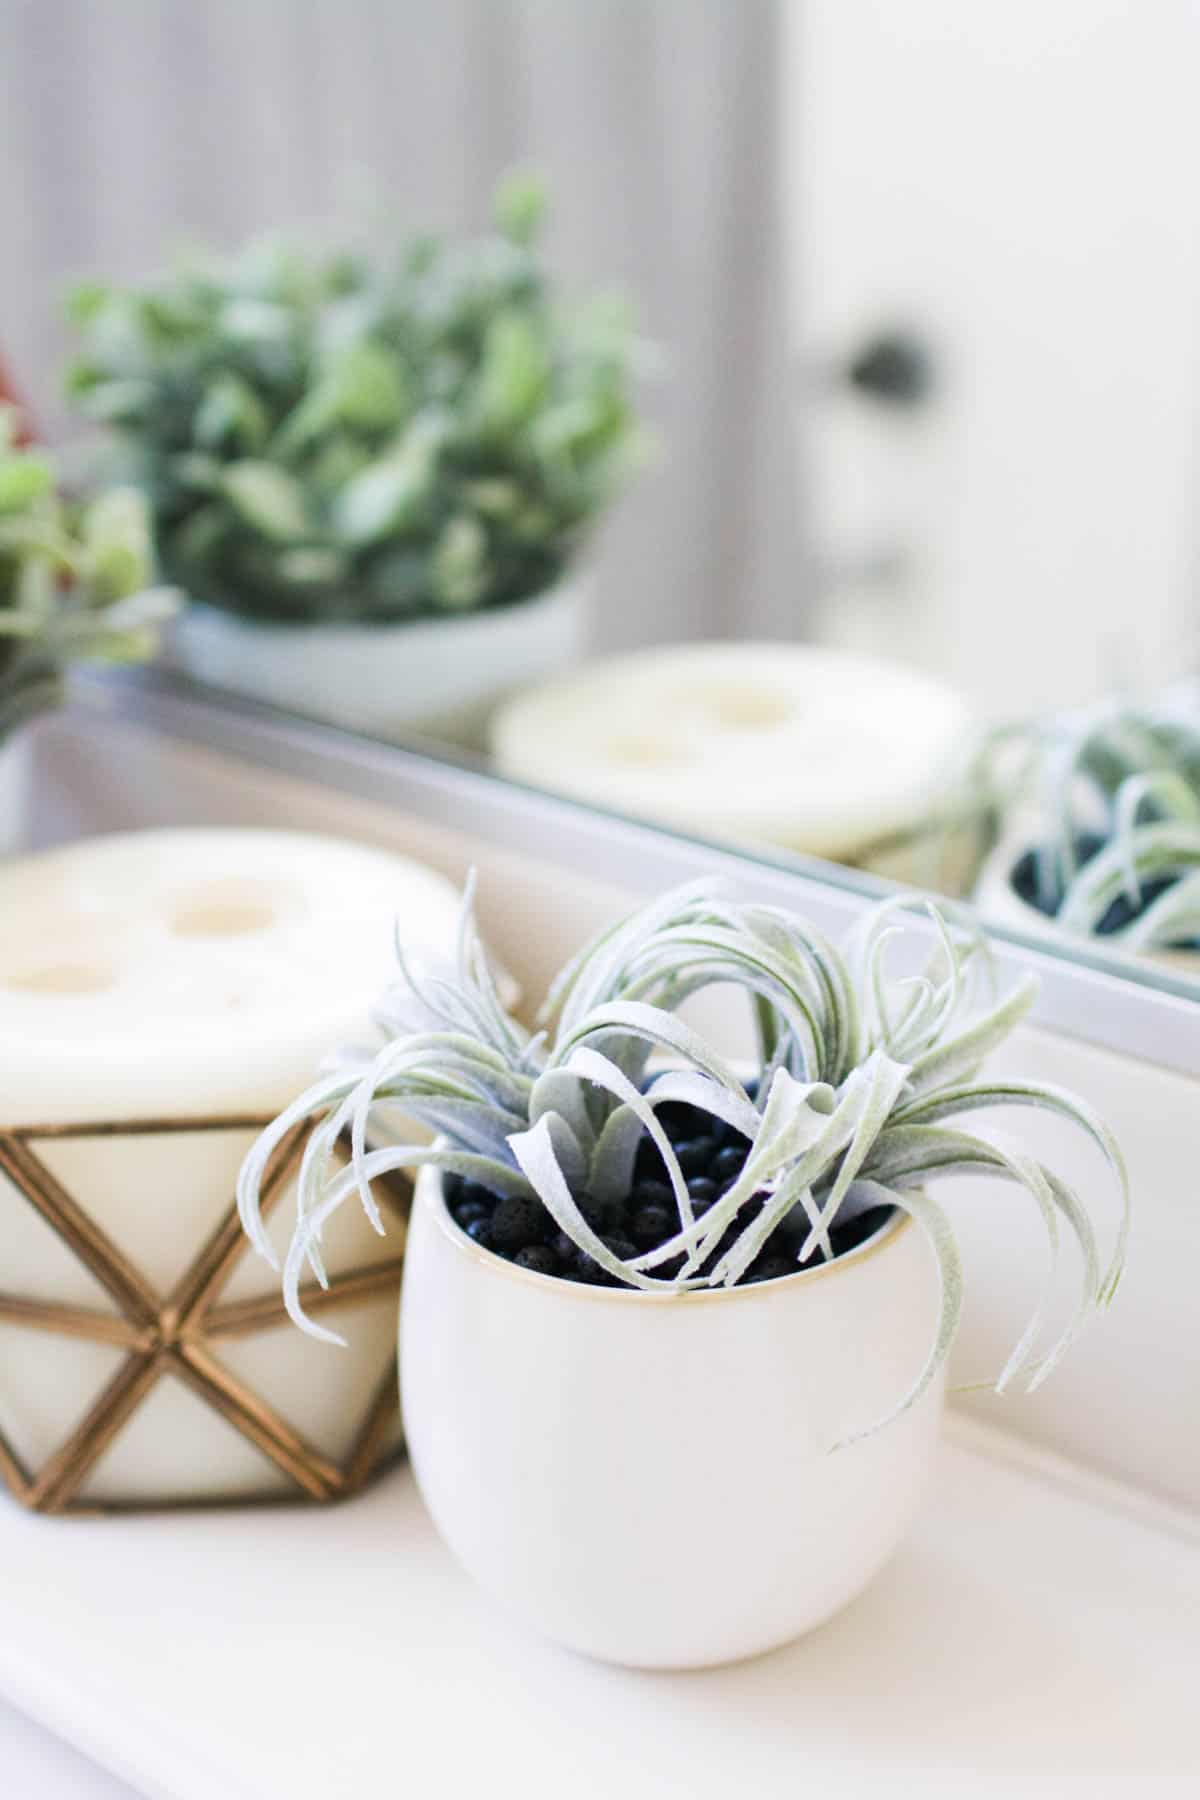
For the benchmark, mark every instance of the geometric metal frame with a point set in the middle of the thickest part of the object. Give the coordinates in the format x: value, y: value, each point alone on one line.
x: 172, y: 1334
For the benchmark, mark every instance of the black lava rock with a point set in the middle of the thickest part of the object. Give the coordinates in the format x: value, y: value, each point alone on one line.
x: 467, y: 1211
x: 695, y: 1155
x: 712, y: 1157
x: 538, y: 1257
x: 653, y: 1193
x: 681, y: 1121
x: 650, y: 1226
x: 599, y: 1214
x: 728, y: 1164
x: 857, y: 1230
x: 520, y: 1222
x: 770, y: 1268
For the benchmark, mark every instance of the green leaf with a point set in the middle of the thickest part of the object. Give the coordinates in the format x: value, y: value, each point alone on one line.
x: 83, y: 374
x: 197, y: 539
x: 495, y: 497
x: 269, y: 500
x: 312, y: 567
x: 116, y: 535
x: 940, y: 1236
x: 192, y: 469
x: 513, y: 373
x: 255, y: 321
x: 367, y: 387
x: 231, y: 413
x: 459, y: 567
x: 390, y: 492
x: 86, y: 301
x: 520, y: 205
x: 118, y: 402
x: 24, y: 479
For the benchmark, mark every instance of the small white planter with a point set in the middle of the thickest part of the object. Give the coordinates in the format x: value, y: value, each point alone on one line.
x: 439, y: 675
x: 14, y: 791
x: 998, y: 903
x: 646, y: 1478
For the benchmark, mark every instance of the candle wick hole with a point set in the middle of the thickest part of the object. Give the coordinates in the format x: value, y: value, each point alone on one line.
x: 227, y: 909
x: 60, y: 978
x: 741, y: 706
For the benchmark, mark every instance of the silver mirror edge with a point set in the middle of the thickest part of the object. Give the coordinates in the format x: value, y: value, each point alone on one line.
x: 1145, y: 1014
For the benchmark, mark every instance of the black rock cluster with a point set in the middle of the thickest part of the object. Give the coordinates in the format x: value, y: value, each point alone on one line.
x: 711, y: 1156
x: 1120, y: 912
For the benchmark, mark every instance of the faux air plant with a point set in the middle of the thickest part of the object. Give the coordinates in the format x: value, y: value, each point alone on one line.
x: 73, y: 587
x: 616, y: 1146
x: 367, y: 435
x: 1117, y: 799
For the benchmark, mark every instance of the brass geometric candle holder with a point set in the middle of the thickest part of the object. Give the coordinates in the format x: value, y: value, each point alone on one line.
x: 187, y: 1334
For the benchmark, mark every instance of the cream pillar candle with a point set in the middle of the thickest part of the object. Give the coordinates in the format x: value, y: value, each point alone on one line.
x: 179, y: 976
x: 782, y: 743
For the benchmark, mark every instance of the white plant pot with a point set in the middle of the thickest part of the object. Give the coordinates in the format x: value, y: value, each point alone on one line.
x: 647, y: 1478
x: 14, y: 791
x: 998, y: 903
x: 439, y: 675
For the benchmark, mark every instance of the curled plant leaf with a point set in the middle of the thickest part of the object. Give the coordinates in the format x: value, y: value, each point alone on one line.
x: 860, y: 1074
x: 1115, y: 792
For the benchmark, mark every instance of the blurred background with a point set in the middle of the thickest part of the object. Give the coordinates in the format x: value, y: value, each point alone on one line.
x: 921, y: 285
x: 779, y: 184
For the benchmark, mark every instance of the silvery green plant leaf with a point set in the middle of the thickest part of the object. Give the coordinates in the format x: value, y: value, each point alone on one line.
x: 860, y: 1078
x: 75, y: 584
x: 1113, y: 793
x: 432, y: 413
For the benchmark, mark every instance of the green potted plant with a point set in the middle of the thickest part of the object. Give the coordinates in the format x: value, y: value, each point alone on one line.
x: 375, y: 473
x: 672, y: 1346
x: 1100, y: 826
x: 73, y: 588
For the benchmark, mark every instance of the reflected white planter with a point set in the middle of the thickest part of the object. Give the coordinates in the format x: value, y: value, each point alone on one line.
x: 437, y: 675
x: 647, y: 1478
x: 14, y: 791
x: 998, y: 903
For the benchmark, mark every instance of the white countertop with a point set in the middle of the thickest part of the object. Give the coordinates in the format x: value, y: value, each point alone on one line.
x: 1031, y: 1639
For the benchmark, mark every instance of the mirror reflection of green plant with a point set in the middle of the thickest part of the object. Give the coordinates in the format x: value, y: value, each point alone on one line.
x: 365, y: 436
x: 857, y: 1078
x: 74, y: 585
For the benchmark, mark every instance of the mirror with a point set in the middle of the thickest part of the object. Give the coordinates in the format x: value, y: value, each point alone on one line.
x: 774, y: 420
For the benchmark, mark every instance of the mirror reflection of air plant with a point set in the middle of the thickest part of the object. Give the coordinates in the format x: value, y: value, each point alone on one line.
x: 371, y: 434
x: 852, y: 1102
x: 73, y: 588
x: 1115, y: 794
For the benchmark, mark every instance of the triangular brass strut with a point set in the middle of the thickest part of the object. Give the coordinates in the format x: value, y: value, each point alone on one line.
x: 175, y: 1335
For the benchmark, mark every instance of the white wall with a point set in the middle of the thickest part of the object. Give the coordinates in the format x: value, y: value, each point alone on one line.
x: 1017, y: 179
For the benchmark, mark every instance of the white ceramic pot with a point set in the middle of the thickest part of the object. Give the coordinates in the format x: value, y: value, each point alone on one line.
x: 998, y: 903
x: 437, y: 675
x: 646, y: 1478
x: 14, y: 791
